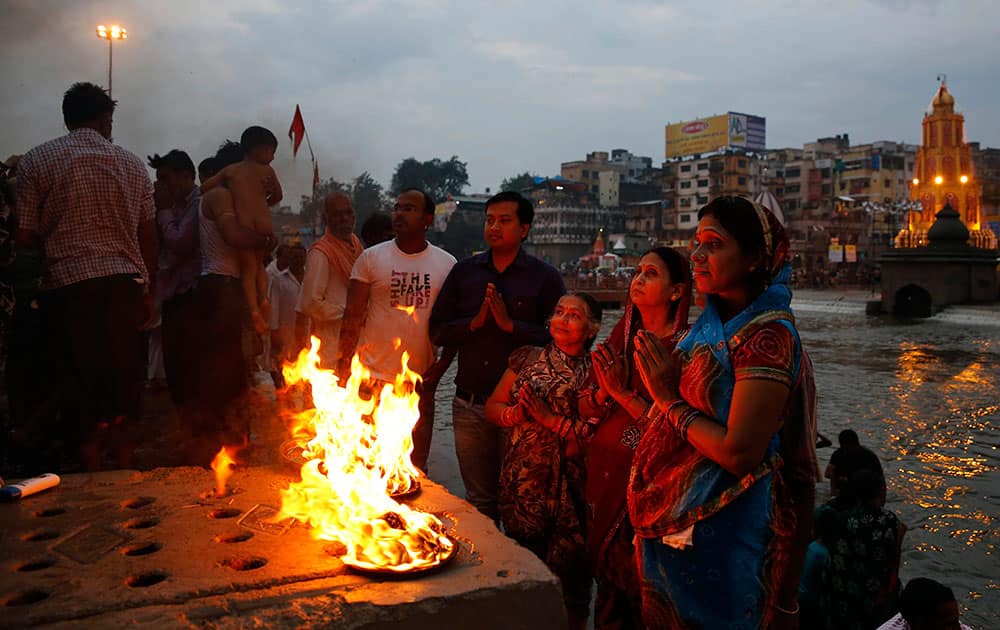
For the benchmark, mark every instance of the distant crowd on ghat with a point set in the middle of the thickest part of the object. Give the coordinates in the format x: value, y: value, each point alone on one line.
x: 672, y: 465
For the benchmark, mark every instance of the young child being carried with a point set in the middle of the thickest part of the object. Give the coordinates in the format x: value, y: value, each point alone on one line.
x: 254, y: 187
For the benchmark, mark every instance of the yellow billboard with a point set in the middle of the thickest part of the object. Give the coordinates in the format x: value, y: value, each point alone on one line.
x: 698, y: 136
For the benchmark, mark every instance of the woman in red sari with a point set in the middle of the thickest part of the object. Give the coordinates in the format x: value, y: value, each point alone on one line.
x: 721, y: 489
x: 659, y: 298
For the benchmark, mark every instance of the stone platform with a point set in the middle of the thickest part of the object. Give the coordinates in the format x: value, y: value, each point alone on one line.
x: 130, y: 548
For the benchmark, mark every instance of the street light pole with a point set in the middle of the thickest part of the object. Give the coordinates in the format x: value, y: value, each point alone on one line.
x: 111, y: 33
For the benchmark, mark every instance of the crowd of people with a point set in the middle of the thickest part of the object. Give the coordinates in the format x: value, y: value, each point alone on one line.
x: 672, y: 465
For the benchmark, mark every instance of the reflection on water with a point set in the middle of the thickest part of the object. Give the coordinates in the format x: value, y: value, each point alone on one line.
x: 925, y: 397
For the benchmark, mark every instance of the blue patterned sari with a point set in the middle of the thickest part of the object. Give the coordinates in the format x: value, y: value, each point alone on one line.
x: 724, y: 531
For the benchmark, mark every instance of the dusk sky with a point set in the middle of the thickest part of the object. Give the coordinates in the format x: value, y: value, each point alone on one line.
x: 506, y: 86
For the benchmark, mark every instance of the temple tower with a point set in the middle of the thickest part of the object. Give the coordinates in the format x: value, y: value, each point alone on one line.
x: 944, y: 175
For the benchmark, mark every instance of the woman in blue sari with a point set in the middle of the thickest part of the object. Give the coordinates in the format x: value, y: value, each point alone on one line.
x: 720, y: 491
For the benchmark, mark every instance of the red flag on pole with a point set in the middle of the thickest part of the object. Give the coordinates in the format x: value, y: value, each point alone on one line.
x: 315, y: 176
x: 297, y: 131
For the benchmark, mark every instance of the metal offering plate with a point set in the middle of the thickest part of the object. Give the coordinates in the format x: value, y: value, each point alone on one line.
x: 366, y: 569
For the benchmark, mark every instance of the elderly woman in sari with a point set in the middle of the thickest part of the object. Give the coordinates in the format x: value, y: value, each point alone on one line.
x: 659, y: 299
x: 720, y: 494
x: 539, y: 401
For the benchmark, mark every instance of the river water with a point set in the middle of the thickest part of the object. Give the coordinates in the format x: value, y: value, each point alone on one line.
x: 923, y: 395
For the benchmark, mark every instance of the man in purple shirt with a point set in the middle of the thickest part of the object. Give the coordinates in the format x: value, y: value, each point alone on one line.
x: 490, y: 305
x: 180, y: 266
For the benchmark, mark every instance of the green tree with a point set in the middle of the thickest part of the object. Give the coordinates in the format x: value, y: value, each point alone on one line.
x: 367, y: 195
x: 438, y: 178
x: 517, y: 183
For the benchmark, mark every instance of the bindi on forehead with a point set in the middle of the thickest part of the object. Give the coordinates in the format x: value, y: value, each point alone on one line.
x: 717, y: 231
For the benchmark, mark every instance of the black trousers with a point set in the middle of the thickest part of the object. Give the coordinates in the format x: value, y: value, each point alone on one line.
x: 222, y: 373
x: 181, y: 331
x: 93, y: 328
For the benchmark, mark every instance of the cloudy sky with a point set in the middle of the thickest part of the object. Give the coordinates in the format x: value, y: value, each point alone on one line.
x: 507, y: 86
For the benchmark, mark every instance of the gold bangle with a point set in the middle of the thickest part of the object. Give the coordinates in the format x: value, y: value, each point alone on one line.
x: 794, y: 611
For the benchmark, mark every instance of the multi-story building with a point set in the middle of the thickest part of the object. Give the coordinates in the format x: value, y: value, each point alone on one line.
x: 706, y: 158
x: 609, y: 188
x: 631, y: 169
x: 587, y: 171
x: 567, y: 220
x: 689, y: 183
x: 879, y: 172
x: 987, y: 163
x: 826, y: 147
x: 644, y: 218
x: 615, y: 190
x: 772, y: 176
x: 833, y: 193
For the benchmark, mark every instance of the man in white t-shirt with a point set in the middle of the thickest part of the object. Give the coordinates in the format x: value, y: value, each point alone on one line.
x: 393, y: 287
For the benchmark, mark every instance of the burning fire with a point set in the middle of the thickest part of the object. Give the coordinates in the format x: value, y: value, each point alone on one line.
x: 409, y: 310
x: 222, y: 465
x: 359, y: 454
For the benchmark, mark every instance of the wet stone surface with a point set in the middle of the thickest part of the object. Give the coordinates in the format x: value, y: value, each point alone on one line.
x: 130, y: 547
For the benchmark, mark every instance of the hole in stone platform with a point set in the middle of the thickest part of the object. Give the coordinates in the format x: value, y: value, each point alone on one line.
x: 248, y: 563
x: 40, y: 535
x: 224, y: 513
x: 143, y: 580
x: 141, y: 549
x: 56, y: 511
x: 233, y: 537
x: 35, y: 565
x: 24, y: 598
x: 141, y: 523
x: 137, y: 502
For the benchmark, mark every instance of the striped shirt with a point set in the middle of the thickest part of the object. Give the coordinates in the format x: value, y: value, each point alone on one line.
x: 85, y: 198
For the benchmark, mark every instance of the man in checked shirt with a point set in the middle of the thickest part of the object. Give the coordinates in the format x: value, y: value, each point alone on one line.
x: 88, y: 205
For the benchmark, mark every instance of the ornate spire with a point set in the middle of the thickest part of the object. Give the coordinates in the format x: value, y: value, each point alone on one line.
x: 943, y: 99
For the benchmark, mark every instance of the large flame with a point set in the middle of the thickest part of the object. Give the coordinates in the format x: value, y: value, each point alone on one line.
x: 357, y: 454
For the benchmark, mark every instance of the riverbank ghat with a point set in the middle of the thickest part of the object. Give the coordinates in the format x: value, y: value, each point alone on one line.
x: 125, y: 547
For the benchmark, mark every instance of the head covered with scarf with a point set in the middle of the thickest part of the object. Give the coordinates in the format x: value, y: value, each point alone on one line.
x: 759, y: 234
x: 692, y: 487
x: 694, y: 519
